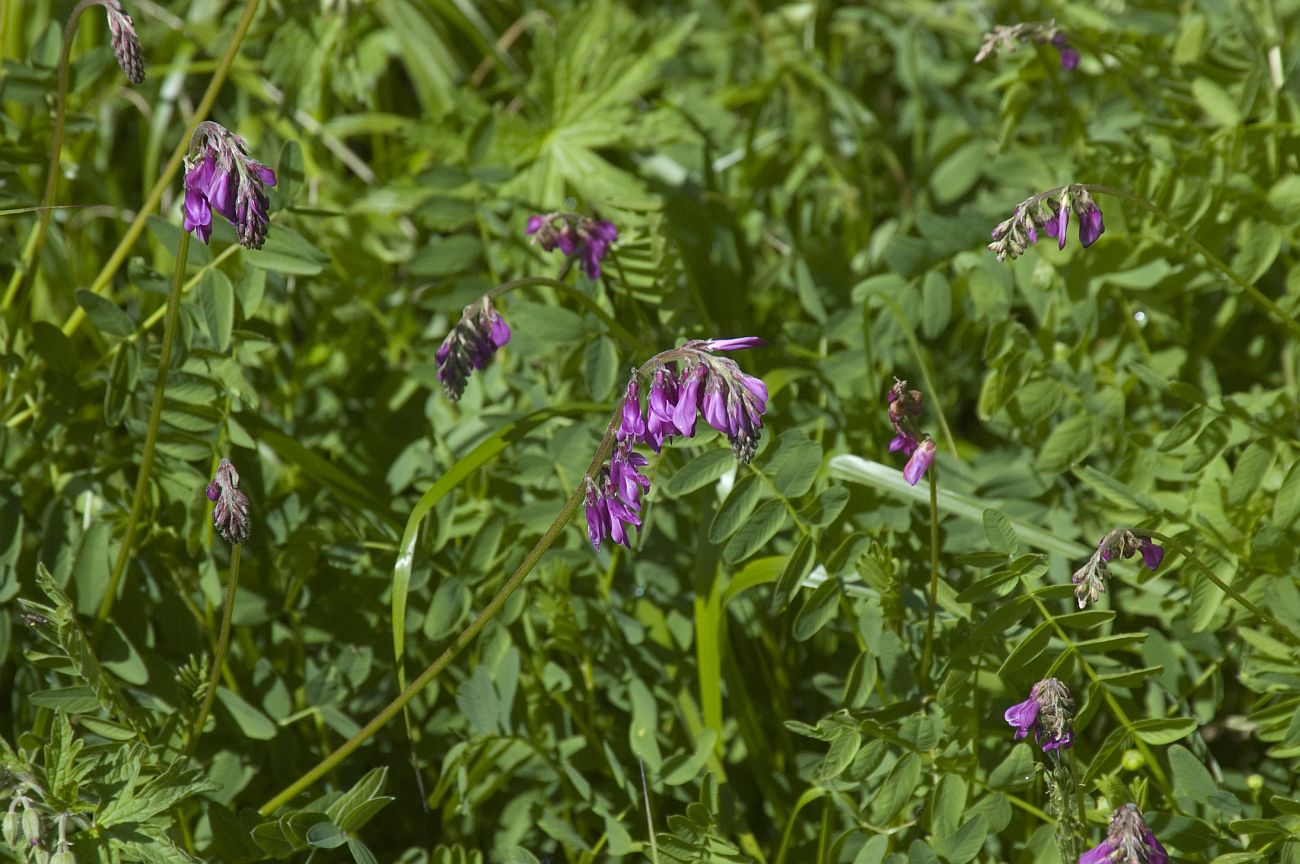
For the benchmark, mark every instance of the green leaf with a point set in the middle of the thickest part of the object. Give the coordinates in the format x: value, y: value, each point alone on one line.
x: 1016, y: 771
x: 735, y: 510
x: 1069, y: 443
x: 936, y: 304
x: 817, y: 611
x: 1216, y: 102
x: 1000, y: 534
x: 104, y: 314
x: 477, y: 700
x: 66, y: 700
x: 965, y: 844
x: 287, y: 251
x: 1191, y: 778
x: 251, y: 722
x: 795, y: 465
x: 1027, y: 650
x: 797, y: 566
x: 757, y: 530
x: 1286, y: 505
x: 325, y: 835
x: 642, y: 736
x: 1160, y: 731
x: 956, y: 174
x: 686, y: 766
x: 217, y: 299
x: 1249, y: 472
x: 699, y: 472
x: 897, y: 789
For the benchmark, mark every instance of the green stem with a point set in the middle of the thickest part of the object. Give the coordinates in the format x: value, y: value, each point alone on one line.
x: 591, y: 305
x: 934, y: 575
x: 1254, y: 294
x: 35, y: 240
x: 173, y: 165
x: 151, y: 434
x: 223, y: 644
x: 1286, y: 633
x: 930, y: 392
x: 463, y: 639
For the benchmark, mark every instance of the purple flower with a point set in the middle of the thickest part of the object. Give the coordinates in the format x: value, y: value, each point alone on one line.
x: 905, y: 405
x: 919, y: 462
x: 1048, y: 713
x: 579, y: 237
x: 1056, y: 225
x: 470, y: 345
x: 1091, y: 577
x: 734, y: 344
x: 1128, y: 841
x: 688, y: 400
x: 1069, y: 56
x: 607, y: 515
x: 1152, y: 554
x: 126, y: 44
x: 904, y: 442
x: 221, y: 176
x: 660, y: 408
x: 1090, y: 225
x: 230, y: 515
x: 633, y: 424
x: 625, y: 473
x: 1022, y: 715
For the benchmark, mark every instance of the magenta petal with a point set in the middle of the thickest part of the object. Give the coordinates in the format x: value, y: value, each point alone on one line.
x: 1152, y: 554
x: 1099, y: 854
x: 919, y: 463
x: 734, y: 344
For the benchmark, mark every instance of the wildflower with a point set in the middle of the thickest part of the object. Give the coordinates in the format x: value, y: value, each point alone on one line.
x: 1048, y: 713
x: 221, y: 176
x: 1091, y: 577
x: 126, y: 44
x: 470, y: 345
x: 919, y: 462
x: 686, y: 383
x: 904, y: 405
x: 230, y: 516
x: 1129, y: 841
x: 1005, y: 38
x: 576, y: 236
x: 1049, y: 211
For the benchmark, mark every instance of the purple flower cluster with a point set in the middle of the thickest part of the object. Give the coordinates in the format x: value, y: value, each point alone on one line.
x: 126, y: 44
x: 1129, y: 841
x: 686, y: 383
x: 904, y: 407
x: 1050, y: 212
x: 576, y: 236
x: 221, y: 176
x: 1048, y: 713
x: 470, y: 345
x: 1090, y: 579
x: 230, y: 516
x: 1005, y: 38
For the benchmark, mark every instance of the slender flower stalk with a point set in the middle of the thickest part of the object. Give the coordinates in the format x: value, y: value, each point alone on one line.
x: 1090, y: 579
x: 1004, y: 39
x: 1129, y: 841
x: 126, y: 47
x: 151, y: 435
x: 698, y: 351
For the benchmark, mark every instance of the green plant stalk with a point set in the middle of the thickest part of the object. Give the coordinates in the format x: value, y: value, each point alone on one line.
x: 1286, y: 633
x: 151, y: 434
x: 934, y: 576
x: 931, y: 392
x: 462, y: 639
x: 223, y: 645
x: 1252, y: 293
x: 173, y: 165
x: 32, y: 249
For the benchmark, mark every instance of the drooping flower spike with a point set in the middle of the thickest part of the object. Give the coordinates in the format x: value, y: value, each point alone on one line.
x: 1004, y: 39
x: 1048, y: 713
x: 1049, y: 212
x: 126, y: 44
x: 686, y: 383
x: 578, y: 237
x: 1090, y: 579
x: 470, y: 345
x: 230, y: 515
x: 1129, y: 841
x: 221, y: 176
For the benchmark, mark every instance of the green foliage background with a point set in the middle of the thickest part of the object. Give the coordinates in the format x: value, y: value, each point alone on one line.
x: 822, y: 175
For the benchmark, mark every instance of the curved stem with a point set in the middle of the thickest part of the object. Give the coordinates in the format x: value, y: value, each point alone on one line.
x: 1286, y: 633
x: 591, y: 305
x: 173, y: 165
x: 31, y: 252
x: 223, y: 644
x: 934, y: 576
x: 151, y: 434
x: 1254, y: 294
x: 462, y: 639
x: 931, y: 393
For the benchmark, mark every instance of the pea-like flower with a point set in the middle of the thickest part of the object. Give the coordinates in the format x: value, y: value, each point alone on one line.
x: 1129, y: 841
x: 1090, y: 579
x: 578, y: 237
x: 221, y: 176
x: 1049, y: 212
x: 230, y: 515
x: 686, y: 383
x: 1005, y: 38
x: 905, y: 405
x: 470, y: 345
x: 1048, y: 713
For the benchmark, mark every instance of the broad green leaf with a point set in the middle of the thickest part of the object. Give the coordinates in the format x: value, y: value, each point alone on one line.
x: 817, y: 611
x: 105, y: 315
x: 1068, y: 444
x: 1160, y: 731
x: 1286, y: 504
x: 756, y: 531
x: 251, y: 722
x: 699, y: 472
x: 736, y: 509
x: 794, y: 466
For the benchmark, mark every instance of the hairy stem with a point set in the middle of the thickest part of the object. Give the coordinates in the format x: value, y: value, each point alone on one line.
x: 151, y: 434
x: 1252, y: 293
x: 223, y: 645
x: 934, y: 575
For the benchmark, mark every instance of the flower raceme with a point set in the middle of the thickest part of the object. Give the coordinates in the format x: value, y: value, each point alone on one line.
x: 905, y: 406
x: 470, y: 345
x: 1090, y: 579
x: 230, y: 515
x: 1048, y: 713
x: 1129, y: 841
x: 126, y: 44
x: 576, y: 236
x: 221, y: 176
x: 1049, y: 212
x: 687, y: 383
x: 1005, y: 39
